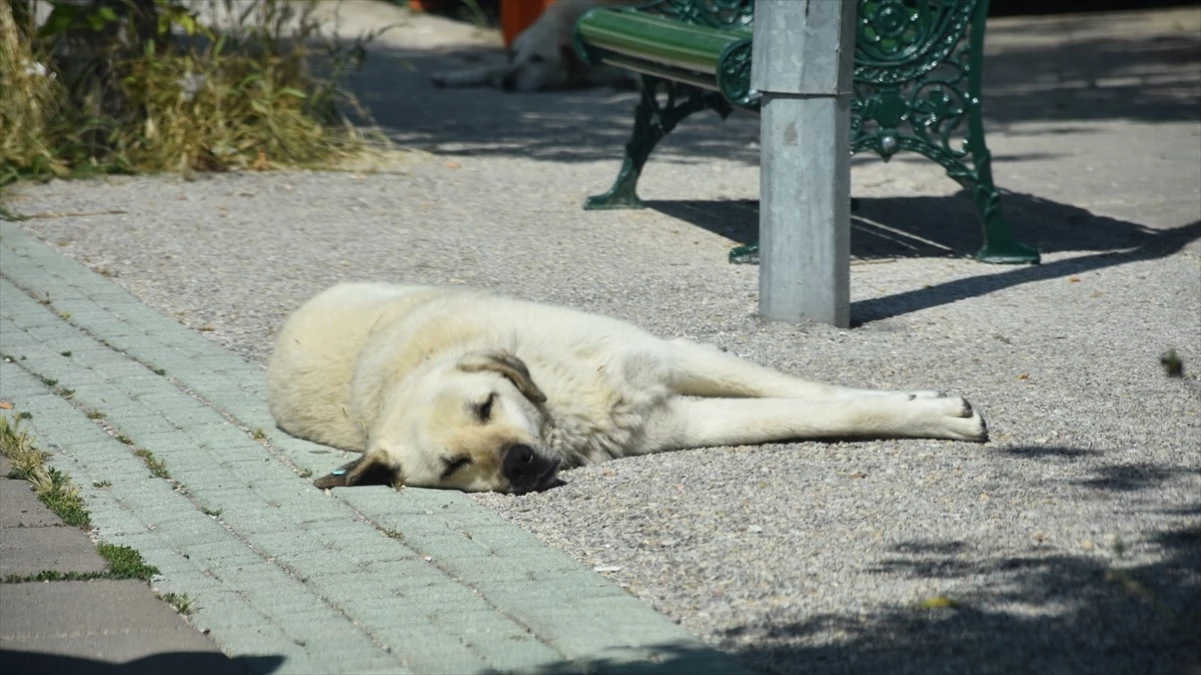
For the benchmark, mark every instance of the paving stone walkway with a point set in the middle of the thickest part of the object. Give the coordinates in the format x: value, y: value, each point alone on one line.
x: 283, y: 577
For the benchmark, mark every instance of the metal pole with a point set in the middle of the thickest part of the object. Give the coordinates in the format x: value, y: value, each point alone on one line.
x: 803, y: 61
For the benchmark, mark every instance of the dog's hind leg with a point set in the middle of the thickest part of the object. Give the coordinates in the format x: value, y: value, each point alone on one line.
x: 704, y: 370
x: 701, y: 422
x: 481, y: 76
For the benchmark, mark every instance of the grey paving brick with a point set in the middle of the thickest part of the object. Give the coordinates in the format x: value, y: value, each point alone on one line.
x: 81, y: 607
x: 20, y: 506
x: 29, y: 550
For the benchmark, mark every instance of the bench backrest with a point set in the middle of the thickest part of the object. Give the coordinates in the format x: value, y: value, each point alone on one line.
x: 894, y: 41
x: 720, y: 14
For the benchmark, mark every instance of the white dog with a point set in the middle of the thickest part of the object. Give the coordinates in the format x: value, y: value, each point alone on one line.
x: 542, y: 57
x: 441, y: 387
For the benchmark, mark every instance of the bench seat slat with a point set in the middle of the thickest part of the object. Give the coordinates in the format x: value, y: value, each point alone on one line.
x: 656, y: 38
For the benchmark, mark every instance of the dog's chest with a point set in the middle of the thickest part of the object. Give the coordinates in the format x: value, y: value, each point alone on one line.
x: 598, y: 406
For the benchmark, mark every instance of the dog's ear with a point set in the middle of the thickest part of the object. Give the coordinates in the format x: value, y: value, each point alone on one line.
x: 372, y: 468
x: 506, y: 364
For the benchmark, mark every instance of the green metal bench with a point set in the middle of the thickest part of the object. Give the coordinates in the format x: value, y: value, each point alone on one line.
x: 916, y: 88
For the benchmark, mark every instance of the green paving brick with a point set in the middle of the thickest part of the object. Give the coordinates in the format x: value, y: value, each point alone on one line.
x: 427, y: 650
x: 439, y: 597
x: 519, y: 597
x: 322, y: 625
x: 221, y: 554
x: 448, y: 545
x: 570, y: 631
x: 354, y: 659
x: 336, y: 586
x: 501, y: 537
x: 286, y: 546
x: 584, y: 582
x: 478, y: 569
x: 402, y: 574
x: 224, y: 609
x: 516, y: 651
x: 380, y: 608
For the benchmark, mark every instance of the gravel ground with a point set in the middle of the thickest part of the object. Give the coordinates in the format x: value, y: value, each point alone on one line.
x: 1070, y: 543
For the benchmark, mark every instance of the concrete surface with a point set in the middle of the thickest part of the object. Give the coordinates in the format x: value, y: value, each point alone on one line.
x: 93, y: 627
x: 1071, y: 543
x: 29, y: 550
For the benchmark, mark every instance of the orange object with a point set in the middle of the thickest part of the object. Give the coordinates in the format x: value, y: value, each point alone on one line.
x: 429, y: 5
x: 517, y: 15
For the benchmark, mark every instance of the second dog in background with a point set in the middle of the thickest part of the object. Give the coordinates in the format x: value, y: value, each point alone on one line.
x: 542, y: 58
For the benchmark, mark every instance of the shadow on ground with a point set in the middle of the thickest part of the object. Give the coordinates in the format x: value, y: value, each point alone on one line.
x: 1158, y: 245
x: 1149, y: 79
x: 1041, y: 611
x: 175, y: 663
x: 936, y: 226
x: 1034, y: 72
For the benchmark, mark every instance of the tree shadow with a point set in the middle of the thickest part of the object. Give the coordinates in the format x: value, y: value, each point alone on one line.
x: 559, y: 126
x: 1043, y: 610
x: 1130, y: 477
x: 1035, y: 71
x: 175, y: 663
x: 1048, y: 452
x: 1145, y: 78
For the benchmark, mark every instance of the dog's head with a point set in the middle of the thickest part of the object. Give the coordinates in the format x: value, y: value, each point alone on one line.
x: 539, y: 60
x: 471, y: 423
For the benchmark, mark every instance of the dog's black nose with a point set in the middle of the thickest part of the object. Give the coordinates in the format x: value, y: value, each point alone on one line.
x: 508, y: 82
x: 526, y: 469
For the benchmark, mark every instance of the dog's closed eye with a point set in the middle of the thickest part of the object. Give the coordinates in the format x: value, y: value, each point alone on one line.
x: 453, y: 464
x: 483, y: 411
x: 537, y: 58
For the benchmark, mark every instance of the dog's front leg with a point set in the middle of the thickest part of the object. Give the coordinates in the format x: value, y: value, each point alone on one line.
x: 692, y: 423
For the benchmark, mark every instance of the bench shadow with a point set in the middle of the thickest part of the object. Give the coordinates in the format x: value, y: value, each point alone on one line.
x: 948, y: 227
x: 932, y: 226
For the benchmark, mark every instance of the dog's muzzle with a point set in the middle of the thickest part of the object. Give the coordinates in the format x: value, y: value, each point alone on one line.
x: 526, y: 470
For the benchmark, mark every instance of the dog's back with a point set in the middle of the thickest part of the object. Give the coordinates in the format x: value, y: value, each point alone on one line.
x: 310, y: 370
x: 339, y: 354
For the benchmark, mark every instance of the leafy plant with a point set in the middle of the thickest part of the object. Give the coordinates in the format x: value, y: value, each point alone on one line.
x: 116, y: 86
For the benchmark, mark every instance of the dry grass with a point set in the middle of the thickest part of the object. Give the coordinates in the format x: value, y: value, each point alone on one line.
x: 52, y: 486
x: 143, y: 85
x: 31, y: 100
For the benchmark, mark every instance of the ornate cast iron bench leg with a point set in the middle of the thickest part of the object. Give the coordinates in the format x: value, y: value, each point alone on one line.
x: 917, y: 88
x: 651, y: 123
x: 930, y: 103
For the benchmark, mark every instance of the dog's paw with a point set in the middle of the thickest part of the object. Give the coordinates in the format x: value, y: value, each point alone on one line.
x: 959, y: 421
